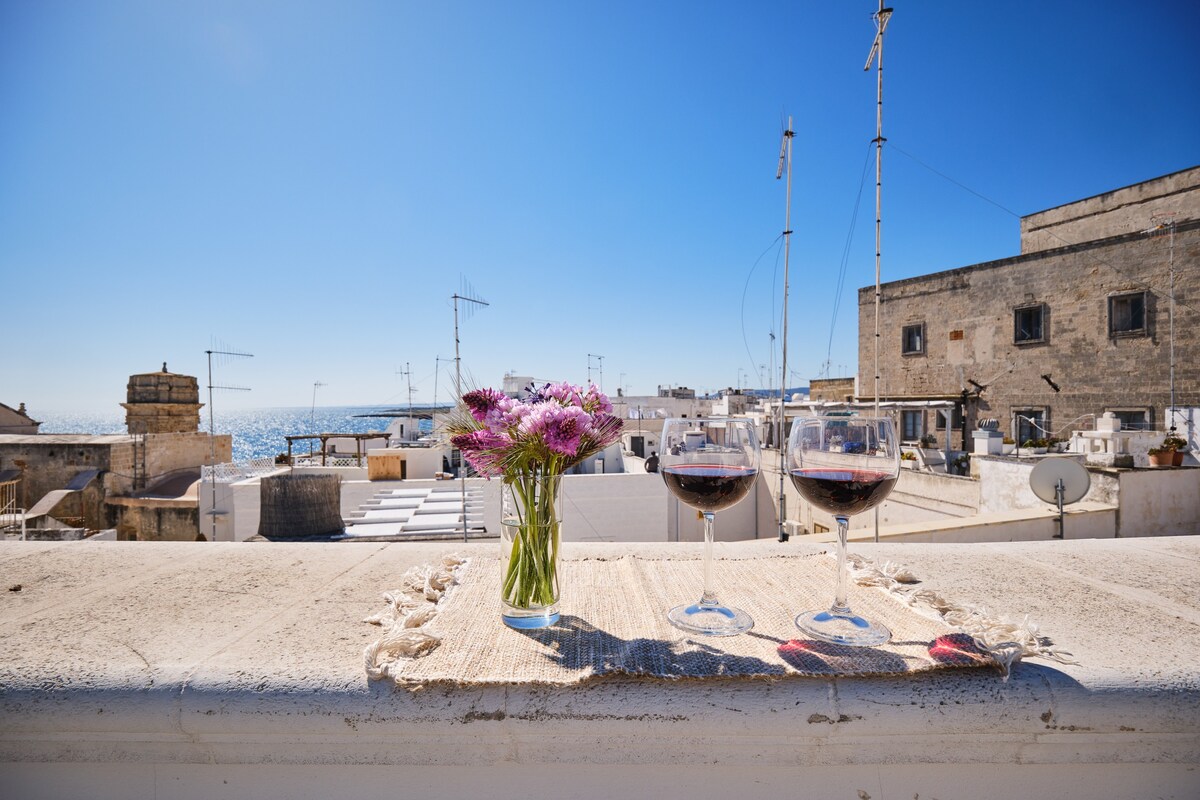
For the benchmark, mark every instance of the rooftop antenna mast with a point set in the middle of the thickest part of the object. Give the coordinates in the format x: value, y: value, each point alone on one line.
x: 222, y: 356
x: 312, y: 415
x: 601, y: 360
x: 881, y: 20
x: 407, y: 373
x: 785, y: 160
x: 437, y: 366
x: 467, y: 297
x: 1165, y: 223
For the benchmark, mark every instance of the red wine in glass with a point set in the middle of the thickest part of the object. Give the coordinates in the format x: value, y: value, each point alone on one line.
x: 843, y: 465
x: 709, y: 464
x: 843, y: 491
x: 709, y: 487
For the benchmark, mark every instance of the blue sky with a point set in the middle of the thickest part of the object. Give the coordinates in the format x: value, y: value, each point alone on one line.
x: 311, y: 182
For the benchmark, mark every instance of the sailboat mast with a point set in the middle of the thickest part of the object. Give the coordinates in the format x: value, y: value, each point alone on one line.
x: 785, y: 155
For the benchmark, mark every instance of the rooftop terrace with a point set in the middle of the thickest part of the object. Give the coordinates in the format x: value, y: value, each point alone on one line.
x: 143, y: 669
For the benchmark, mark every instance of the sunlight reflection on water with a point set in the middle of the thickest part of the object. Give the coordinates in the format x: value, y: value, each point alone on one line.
x: 257, y: 433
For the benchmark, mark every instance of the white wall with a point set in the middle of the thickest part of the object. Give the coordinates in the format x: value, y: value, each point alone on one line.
x: 1004, y: 483
x: 1160, y: 502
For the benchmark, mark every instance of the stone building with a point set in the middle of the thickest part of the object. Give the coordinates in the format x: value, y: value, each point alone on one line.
x: 16, y: 420
x: 141, y: 483
x: 1078, y: 324
x: 162, y: 402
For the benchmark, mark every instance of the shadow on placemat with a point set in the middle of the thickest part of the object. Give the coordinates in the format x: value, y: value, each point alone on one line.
x: 813, y: 657
x: 576, y: 644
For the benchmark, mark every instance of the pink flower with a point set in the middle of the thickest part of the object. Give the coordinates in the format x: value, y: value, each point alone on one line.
x: 565, y: 428
x: 481, y: 401
x: 484, y: 450
x: 595, y: 401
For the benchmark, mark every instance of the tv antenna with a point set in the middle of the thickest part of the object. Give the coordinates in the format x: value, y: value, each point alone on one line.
x: 785, y: 161
x: 600, y: 359
x: 407, y: 373
x: 471, y: 301
x: 881, y: 18
x: 1160, y: 224
x: 437, y: 365
x: 224, y: 356
x: 312, y: 414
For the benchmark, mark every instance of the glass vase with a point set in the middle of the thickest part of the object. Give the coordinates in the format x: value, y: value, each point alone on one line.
x: 530, y: 535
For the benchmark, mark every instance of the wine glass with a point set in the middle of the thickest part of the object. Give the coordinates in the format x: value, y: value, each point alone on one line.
x: 843, y: 465
x: 709, y: 464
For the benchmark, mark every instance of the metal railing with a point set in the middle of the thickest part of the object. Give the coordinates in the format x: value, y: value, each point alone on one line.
x: 11, y: 516
x: 232, y: 472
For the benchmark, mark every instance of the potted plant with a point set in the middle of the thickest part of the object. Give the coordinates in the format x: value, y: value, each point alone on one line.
x: 908, y: 460
x: 1035, y: 446
x: 961, y: 464
x: 1176, y: 445
x: 928, y: 442
x: 1161, y: 456
x: 1008, y: 445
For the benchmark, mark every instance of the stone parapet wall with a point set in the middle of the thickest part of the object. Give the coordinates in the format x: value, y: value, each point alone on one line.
x: 1126, y: 210
x: 167, y: 452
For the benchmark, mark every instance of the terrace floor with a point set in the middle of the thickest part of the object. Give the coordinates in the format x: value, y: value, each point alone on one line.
x: 161, y: 669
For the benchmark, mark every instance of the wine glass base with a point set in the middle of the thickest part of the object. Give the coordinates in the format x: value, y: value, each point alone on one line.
x: 848, y: 629
x: 710, y: 620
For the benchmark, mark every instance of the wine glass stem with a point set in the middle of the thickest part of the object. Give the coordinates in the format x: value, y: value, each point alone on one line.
x: 709, y: 598
x: 840, y: 605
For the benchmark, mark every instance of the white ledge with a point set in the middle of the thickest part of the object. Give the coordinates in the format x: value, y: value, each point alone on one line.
x: 141, y: 669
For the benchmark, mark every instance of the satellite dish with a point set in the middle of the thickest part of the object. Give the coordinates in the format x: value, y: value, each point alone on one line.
x: 1060, y: 481
x: 1045, y: 477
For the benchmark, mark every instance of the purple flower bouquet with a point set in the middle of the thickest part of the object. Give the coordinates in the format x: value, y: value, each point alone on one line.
x: 530, y: 443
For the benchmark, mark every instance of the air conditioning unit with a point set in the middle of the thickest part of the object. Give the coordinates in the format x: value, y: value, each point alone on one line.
x: 793, y: 528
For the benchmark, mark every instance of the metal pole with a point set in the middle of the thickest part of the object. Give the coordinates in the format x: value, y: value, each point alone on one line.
x: 1171, y: 295
x: 881, y: 20
x: 787, y: 242
x: 462, y: 478
x: 212, y: 449
x: 462, y: 466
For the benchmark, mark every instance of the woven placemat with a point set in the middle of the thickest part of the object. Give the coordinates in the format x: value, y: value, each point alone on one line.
x: 613, y: 622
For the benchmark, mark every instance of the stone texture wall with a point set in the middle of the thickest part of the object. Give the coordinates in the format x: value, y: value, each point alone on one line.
x: 968, y: 318
x: 51, y: 461
x: 162, y: 402
x: 155, y: 520
x: 1127, y: 210
x: 836, y: 390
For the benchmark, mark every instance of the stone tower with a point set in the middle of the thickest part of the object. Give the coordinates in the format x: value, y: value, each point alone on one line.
x: 162, y: 402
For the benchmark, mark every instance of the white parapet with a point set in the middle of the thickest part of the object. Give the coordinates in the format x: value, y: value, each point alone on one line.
x: 139, y: 670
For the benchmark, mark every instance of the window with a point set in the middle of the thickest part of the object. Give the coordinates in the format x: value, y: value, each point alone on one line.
x: 1127, y: 314
x: 1133, y: 419
x: 912, y: 340
x: 955, y: 423
x: 1030, y: 424
x: 1028, y: 324
x: 910, y: 422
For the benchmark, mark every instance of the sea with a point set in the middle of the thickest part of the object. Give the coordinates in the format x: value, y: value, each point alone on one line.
x: 257, y: 433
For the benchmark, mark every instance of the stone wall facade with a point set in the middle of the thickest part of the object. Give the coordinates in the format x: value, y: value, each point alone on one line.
x: 831, y: 390
x: 1127, y: 210
x: 970, y: 334
x: 126, y: 464
x: 162, y: 402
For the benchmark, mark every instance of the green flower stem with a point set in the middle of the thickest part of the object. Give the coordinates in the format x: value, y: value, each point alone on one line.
x: 531, y: 579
